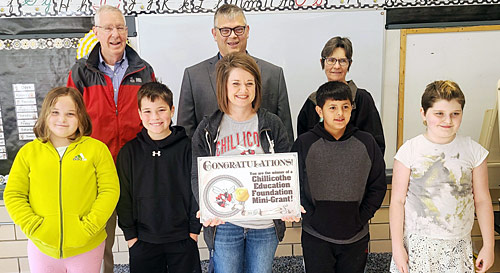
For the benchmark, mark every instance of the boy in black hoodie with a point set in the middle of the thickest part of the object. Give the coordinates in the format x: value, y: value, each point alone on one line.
x: 157, y: 209
x: 342, y: 183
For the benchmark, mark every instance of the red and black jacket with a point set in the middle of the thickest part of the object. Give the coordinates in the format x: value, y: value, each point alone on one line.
x: 112, y: 124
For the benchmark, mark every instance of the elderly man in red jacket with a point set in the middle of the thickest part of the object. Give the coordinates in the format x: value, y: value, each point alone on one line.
x: 109, y: 80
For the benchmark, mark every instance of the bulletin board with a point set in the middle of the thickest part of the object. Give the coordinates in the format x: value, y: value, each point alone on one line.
x: 467, y: 55
x: 29, y: 70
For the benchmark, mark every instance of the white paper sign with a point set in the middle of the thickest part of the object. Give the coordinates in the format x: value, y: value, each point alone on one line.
x: 252, y: 187
x: 26, y: 122
x: 25, y: 108
x: 25, y: 101
x: 27, y: 136
x: 24, y: 95
x: 25, y: 129
x: 3, y: 150
x: 27, y: 115
x: 20, y: 87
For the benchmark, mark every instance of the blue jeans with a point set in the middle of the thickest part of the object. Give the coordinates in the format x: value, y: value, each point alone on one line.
x: 239, y: 250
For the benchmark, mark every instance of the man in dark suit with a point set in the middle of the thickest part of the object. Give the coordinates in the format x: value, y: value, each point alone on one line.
x: 198, y: 99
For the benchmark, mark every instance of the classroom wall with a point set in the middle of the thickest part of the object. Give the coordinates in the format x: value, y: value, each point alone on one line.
x: 390, y: 83
x: 292, y: 41
x: 13, y: 243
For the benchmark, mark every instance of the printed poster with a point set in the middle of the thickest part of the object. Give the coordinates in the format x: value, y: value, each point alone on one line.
x: 252, y: 187
x: 3, y: 149
x: 26, y: 109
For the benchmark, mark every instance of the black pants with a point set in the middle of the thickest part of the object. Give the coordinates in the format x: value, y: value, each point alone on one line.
x: 178, y: 257
x: 322, y: 256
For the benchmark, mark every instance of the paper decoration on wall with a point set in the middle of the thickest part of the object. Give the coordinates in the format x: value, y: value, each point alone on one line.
x: 86, y: 44
x: 63, y: 7
x: 173, y: 6
x: 3, y: 179
x: 18, y: 44
x: 83, y: 7
x: 26, y: 111
x: 143, y: 6
x: 115, y: 3
x: 3, y: 149
x: 9, y: 8
x: 37, y: 7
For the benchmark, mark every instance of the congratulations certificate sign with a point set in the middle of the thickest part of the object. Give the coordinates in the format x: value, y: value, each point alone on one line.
x: 249, y: 187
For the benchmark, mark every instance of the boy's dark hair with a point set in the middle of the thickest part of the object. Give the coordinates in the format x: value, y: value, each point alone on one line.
x: 153, y: 91
x: 333, y: 91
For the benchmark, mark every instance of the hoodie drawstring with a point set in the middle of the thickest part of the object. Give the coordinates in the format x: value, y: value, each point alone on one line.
x: 271, y: 143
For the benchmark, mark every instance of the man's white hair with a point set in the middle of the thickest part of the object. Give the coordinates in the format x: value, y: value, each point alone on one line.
x: 104, y: 9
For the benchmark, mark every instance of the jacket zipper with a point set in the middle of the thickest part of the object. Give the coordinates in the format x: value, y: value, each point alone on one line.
x: 116, y: 105
x: 212, y: 153
x: 60, y: 201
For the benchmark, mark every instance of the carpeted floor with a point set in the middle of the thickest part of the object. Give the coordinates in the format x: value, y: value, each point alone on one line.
x: 377, y: 263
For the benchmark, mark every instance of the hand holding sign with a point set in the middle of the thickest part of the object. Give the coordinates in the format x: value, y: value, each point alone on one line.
x: 210, y: 222
x: 249, y: 188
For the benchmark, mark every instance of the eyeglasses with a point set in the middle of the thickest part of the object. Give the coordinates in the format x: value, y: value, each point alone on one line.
x: 333, y: 61
x: 226, y: 31
x: 109, y: 29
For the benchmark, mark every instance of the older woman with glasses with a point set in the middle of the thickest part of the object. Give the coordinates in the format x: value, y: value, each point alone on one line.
x: 336, y: 59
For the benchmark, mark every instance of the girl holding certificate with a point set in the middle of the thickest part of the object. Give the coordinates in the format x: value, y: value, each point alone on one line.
x: 239, y: 246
